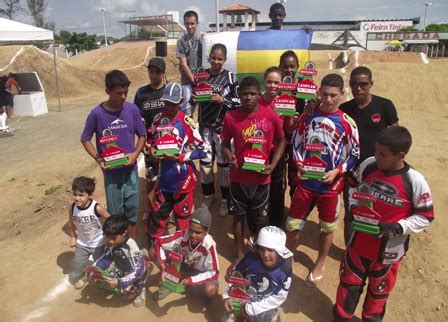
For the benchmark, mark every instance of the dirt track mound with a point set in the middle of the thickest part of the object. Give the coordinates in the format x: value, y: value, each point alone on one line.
x: 73, y: 80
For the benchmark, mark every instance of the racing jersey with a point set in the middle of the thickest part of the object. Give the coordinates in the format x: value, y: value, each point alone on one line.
x: 211, y: 114
x: 202, y: 258
x: 401, y: 196
x: 128, y: 260
x: 338, y: 134
x: 148, y: 102
x: 180, y: 176
x: 268, y: 287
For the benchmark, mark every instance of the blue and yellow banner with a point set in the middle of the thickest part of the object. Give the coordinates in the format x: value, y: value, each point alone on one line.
x: 252, y: 52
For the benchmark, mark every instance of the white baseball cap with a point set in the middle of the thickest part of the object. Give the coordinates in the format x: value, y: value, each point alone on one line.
x: 274, y: 238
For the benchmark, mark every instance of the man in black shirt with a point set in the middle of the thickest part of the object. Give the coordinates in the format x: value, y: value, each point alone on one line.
x: 372, y: 114
x: 147, y: 99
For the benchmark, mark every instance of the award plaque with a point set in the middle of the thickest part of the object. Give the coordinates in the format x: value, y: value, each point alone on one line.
x: 314, y: 167
x: 285, y: 103
x: 309, y: 71
x: 171, y: 273
x: 113, y: 156
x: 306, y: 89
x: 237, y: 292
x: 167, y: 143
x: 255, y: 159
x: 202, y: 91
x: 365, y: 218
x: 101, y: 277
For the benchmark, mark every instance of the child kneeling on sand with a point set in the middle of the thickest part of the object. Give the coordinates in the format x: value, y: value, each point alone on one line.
x: 128, y: 275
x: 268, y: 271
x: 200, y: 268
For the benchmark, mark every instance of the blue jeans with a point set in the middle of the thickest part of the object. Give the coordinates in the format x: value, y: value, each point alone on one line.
x: 122, y: 192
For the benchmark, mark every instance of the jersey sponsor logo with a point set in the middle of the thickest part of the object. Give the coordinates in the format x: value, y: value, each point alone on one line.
x: 217, y: 88
x: 257, y: 129
x: 386, y: 192
x: 424, y: 198
x: 376, y: 118
x: 152, y: 105
x: 118, y: 124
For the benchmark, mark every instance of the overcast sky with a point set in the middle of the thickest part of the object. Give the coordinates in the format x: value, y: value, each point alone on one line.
x: 84, y: 15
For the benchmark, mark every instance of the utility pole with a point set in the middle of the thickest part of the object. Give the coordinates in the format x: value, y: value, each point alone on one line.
x: 104, y: 26
x: 427, y: 4
x: 217, y: 15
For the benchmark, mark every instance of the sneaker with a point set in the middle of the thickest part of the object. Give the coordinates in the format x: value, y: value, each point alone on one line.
x: 151, y: 176
x: 162, y: 292
x: 140, y: 299
x: 224, y: 209
x: 207, y: 202
x: 79, y: 284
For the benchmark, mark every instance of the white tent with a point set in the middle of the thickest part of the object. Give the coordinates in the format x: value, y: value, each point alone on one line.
x: 13, y: 32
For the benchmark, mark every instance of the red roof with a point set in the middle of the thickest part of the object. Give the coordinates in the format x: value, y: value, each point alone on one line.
x: 238, y: 8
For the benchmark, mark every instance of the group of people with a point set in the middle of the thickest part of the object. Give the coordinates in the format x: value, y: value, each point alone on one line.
x: 8, y: 85
x: 361, y: 145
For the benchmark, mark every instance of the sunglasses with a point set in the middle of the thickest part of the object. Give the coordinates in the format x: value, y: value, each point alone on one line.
x: 361, y: 85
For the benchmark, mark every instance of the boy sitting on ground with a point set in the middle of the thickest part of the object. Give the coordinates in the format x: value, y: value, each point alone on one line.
x: 129, y: 273
x: 268, y: 271
x: 200, y: 267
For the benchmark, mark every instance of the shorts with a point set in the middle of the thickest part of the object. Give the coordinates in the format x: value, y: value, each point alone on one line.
x: 251, y: 200
x: 327, y: 206
x: 122, y: 192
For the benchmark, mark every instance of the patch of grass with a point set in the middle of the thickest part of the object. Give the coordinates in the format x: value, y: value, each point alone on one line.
x: 12, y: 179
x: 40, y: 184
x: 52, y: 189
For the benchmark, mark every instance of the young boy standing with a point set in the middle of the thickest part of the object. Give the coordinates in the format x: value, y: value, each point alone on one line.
x: 277, y: 14
x: 189, y: 52
x: 249, y: 190
x: 86, y: 233
x: 117, y: 117
x: 128, y: 274
x: 175, y: 189
x: 334, y: 133
x: 268, y: 270
x: 200, y: 267
x: 402, y: 199
x: 147, y: 99
x: 372, y: 114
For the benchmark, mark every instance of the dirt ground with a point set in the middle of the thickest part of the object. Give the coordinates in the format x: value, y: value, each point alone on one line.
x: 40, y: 159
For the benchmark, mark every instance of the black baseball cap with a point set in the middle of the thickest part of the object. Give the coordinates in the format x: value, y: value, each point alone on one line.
x: 158, y: 63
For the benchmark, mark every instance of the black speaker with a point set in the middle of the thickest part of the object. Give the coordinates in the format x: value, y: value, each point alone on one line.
x: 161, y: 49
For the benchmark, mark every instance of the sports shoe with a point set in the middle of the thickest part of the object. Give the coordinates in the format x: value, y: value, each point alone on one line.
x: 151, y: 176
x: 162, y: 292
x: 79, y: 284
x: 207, y: 202
x: 224, y: 208
x: 140, y: 299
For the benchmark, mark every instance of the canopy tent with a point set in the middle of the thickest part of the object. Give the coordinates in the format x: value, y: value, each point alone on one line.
x: 13, y: 32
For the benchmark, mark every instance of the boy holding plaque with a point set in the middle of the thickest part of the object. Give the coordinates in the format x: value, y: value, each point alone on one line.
x: 256, y: 131
x: 268, y: 272
x: 121, y: 268
x: 325, y: 148
x: 174, y: 135
x: 116, y: 123
x: 402, y: 199
x: 199, y: 269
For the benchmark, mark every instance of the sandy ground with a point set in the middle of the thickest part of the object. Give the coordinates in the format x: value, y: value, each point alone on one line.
x: 40, y: 160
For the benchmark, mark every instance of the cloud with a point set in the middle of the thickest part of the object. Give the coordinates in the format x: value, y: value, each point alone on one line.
x: 123, y: 9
